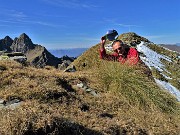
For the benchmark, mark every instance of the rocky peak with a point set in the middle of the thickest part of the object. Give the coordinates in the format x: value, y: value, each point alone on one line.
x: 5, y: 44
x: 7, y: 38
x: 22, y: 44
x: 25, y: 39
x: 7, y: 41
x: 24, y: 35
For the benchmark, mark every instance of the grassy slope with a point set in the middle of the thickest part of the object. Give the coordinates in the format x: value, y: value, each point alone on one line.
x: 50, y: 98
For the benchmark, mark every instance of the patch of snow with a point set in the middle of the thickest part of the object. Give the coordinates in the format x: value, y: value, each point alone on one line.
x: 153, y: 59
x: 167, y: 86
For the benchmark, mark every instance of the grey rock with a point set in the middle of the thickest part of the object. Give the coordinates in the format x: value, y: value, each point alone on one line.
x: 85, y: 87
x: 70, y: 69
x: 12, y: 102
x: 14, y: 105
x: 88, y: 90
x: 2, y: 101
x: 80, y: 85
x: 22, y: 44
x: 62, y: 66
x: 94, y: 93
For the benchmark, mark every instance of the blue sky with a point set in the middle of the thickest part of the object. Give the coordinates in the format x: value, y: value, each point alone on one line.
x: 80, y: 23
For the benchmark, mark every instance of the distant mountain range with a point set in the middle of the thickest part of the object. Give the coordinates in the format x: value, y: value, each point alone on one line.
x: 173, y: 47
x: 71, y: 52
x: 178, y: 44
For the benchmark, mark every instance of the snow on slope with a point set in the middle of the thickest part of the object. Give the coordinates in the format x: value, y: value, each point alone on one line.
x: 153, y: 59
x: 169, y: 87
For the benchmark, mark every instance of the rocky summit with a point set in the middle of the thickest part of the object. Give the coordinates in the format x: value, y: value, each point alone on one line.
x: 22, y: 44
x: 6, y: 43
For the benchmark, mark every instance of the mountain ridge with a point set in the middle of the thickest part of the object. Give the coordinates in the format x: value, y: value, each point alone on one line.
x: 37, y: 55
x: 173, y: 47
x: 90, y: 59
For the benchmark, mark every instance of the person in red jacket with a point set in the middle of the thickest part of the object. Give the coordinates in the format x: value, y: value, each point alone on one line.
x: 122, y: 53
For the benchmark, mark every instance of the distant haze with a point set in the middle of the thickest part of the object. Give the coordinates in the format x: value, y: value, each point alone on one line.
x: 73, y: 52
x: 173, y: 47
x: 178, y: 44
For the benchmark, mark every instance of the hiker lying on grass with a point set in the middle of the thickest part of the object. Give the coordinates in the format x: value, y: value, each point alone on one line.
x: 122, y: 53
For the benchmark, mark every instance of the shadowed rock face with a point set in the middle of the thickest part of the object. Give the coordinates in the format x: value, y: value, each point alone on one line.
x: 37, y: 55
x: 6, y: 43
x: 22, y: 44
x: 40, y: 57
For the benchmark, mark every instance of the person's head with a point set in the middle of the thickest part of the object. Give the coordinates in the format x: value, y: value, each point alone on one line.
x: 118, y: 47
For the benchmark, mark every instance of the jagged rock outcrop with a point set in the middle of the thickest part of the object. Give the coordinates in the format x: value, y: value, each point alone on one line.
x: 37, y: 55
x: 22, y: 44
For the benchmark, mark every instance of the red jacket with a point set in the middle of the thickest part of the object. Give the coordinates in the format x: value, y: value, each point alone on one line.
x: 132, y: 56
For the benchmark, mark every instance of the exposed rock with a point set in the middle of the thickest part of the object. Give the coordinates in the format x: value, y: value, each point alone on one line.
x: 40, y: 57
x: 67, y: 59
x: 106, y: 115
x: 10, y: 104
x: 2, y: 68
x: 84, y: 107
x: 63, y: 66
x: 70, y: 69
x: 22, y: 44
x: 87, y: 89
x: 2, y: 101
x: 5, y: 44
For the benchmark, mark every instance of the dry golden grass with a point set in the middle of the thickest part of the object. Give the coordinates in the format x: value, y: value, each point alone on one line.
x: 52, y: 104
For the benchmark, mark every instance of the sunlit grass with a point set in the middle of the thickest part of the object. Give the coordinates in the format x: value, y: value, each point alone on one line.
x: 49, y: 96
